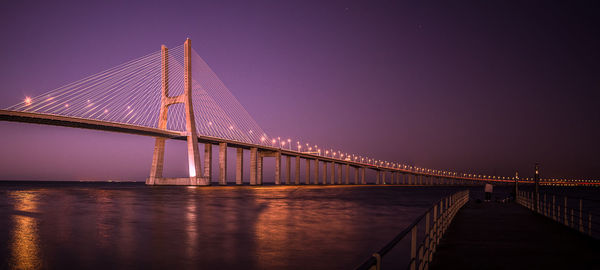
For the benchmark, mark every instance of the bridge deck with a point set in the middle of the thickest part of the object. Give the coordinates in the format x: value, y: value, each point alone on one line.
x: 509, y: 236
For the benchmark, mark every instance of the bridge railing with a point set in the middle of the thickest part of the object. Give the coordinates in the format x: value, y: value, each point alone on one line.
x: 565, y: 210
x: 436, y: 221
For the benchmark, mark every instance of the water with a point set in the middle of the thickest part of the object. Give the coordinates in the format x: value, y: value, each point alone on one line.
x: 130, y: 225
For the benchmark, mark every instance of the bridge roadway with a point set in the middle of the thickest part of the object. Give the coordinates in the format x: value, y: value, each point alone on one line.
x: 509, y: 236
x: 417, y: 177
x: 398, y: 175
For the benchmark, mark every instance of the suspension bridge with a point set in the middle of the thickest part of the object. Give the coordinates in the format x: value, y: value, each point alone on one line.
x: 162, y: 96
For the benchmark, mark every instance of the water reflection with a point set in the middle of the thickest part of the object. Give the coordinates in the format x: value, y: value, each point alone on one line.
x: 191, y: 228
x: 25, y: 239
x: 121, y: 226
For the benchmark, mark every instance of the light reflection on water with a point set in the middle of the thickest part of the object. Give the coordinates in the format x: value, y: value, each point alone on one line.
x: 25, y: 241
x: 111, y: 225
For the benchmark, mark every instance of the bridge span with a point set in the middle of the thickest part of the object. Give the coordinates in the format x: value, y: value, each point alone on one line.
x: 138, y: 97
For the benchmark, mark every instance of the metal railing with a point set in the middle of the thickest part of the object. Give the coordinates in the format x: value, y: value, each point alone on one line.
x: 443, y: 213
x: 561, y: 212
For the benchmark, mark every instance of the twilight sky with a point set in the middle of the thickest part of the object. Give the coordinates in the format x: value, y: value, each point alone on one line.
x: 485, y: 86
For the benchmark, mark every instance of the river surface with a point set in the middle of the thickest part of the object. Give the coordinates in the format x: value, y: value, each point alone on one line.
x: 58, y: 225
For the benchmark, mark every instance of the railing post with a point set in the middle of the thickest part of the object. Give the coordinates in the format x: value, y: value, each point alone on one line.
x: 572, y: 224
x: 554, y: 207
x: 580, y: 215
x: 413, y: 248
x: 435, y: 227
x: 545, y: 206
x: 590, y: 223
x: 566, y: 213
x: 428, y: 238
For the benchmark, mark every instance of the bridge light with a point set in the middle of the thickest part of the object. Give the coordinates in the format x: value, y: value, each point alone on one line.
x: 67, y: 105
x: 27, y: 101
x: 210, y: 123
x: 231, y: 127
x: 105, y: 110
x: 283, y: 143
x: 262, y: 139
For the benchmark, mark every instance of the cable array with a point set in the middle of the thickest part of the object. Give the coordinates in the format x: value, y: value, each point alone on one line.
x: 130, y: 93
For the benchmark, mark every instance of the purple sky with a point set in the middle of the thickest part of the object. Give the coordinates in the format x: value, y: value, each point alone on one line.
x: 489, y: 86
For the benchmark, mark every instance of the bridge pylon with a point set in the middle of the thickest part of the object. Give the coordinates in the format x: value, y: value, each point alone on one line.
x: 195, y: 170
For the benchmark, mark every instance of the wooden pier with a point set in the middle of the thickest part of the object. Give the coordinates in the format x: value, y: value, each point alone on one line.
x: 509, y: 236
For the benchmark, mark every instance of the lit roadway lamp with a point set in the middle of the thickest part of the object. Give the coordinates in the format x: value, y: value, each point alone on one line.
x: 299, y: 147
x: 27, y: 101
x: 273, y: 142
x: 290, y: 143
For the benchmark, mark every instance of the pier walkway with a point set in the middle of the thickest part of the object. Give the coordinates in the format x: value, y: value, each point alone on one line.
x: 509, y: 236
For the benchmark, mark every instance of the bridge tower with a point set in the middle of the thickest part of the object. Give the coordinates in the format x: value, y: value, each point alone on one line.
x: 156, y: 172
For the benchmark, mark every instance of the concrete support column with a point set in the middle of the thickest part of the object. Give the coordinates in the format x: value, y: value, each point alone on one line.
x: 362, y: 176
x: 222, y: 163
x: 325, y: 172
x: 393, y: 177
x: 378, y: 177
x: 208, y: 161
x: 316, y: 171
x: 253, y: 165
x: 383, y: 173
x: 356, y: 175
x: 297, y: 171
x: 259, y: 169
x: 347, y: 174
x: 288, y: 171
x: 333, y: 173
x: 307, y: 176
x: 278, y: 168
x: 239, y: 166
x: 340, y: 173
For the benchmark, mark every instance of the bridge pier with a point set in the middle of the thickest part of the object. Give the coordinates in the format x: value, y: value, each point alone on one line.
x: 347, y: 174
x: 253, y: 165
x: 239, y: 166
x: 377, y: 177
x: 325, y: 172
x: 340, y: 173
x: 278, y: 168
x: 332, y: 173
x: 362, y: 176
x: 356, y: 175
x: 307, y: 176
x: 223, y: 164
x: 288, y: 174
x: 259, y: 169
x: 316, y: 171
x: 297, y: 171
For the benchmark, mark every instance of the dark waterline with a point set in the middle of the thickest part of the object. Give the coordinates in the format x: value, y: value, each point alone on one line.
x: 130, y: 225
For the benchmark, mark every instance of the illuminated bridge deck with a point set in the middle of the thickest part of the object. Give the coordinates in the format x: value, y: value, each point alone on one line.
x: 509, y: 236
